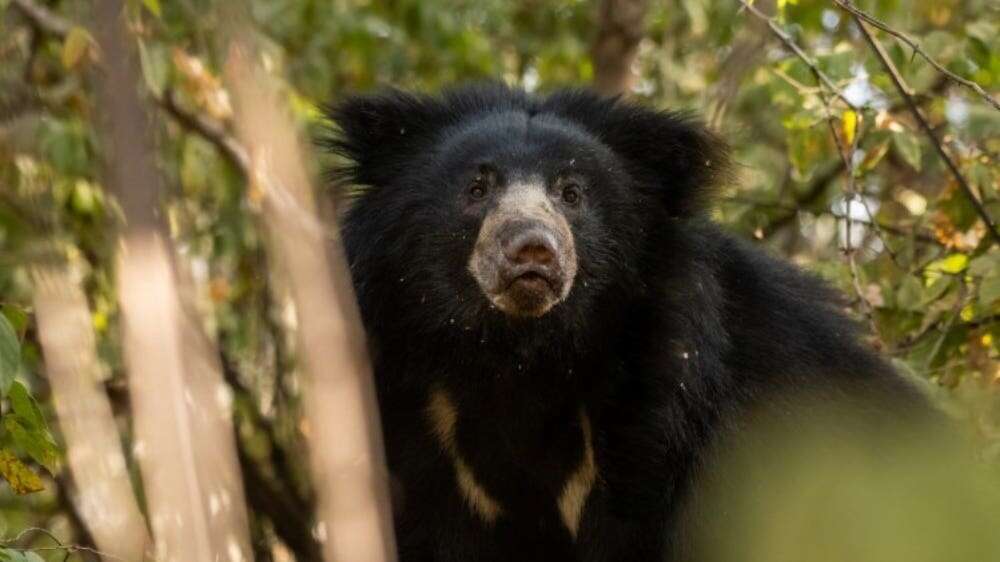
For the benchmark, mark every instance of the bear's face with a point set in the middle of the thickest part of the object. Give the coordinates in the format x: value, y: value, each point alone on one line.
x: 537, y: 190
x: 488, y: 207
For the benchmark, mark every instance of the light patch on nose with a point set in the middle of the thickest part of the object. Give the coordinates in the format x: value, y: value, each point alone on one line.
x: 525, y: 202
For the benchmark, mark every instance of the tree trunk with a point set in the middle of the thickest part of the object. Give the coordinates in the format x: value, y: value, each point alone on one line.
x: 617, y: 43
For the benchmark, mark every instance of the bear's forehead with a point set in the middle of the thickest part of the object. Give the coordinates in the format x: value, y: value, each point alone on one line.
x: 517, y: 139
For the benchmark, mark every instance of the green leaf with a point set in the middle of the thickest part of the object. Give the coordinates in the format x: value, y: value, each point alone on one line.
x: 21, y: 478
x: 909, y: 294
x: 908, y: 148
x: 17, y: 317
x: 935, y: 290
x: 35, y: 441
x: 10, y: 555
x: 75, y: 46
x: 25, y: 406
x: 155, y: 65
x: 27, y: 426
x: 985, y: 265
x: 153, y: 6
x: 989, y: 290
x: 10, y: 355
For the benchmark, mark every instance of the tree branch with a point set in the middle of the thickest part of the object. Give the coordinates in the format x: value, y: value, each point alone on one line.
x: 209, y: 129
x: 904, y: 91
x: 792, y: 46
x: 43, y: 18
x: 291, y: 523
x: 816, y: 189
x: 849, y: 7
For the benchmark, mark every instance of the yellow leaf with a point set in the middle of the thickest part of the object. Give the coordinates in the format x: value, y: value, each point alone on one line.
x: 955, y: 263
x: 75, y: 46
x: 967, y: 313
x: 849, y: 125
x: 21, y: 479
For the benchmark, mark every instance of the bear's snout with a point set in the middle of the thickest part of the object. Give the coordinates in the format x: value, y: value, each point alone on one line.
x: 524, y: 259
x: 529, y: 261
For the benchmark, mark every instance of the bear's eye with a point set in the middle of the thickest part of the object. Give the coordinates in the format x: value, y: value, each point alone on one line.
x: 571, y: 194
x: 477, y: 189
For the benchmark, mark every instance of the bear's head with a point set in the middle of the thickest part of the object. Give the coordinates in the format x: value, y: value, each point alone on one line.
x: 489, y: 204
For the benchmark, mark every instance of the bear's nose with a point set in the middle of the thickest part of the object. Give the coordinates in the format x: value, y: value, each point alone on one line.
x: 534, y: 246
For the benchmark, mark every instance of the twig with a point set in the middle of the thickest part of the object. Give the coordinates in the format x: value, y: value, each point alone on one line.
x: 792, y: 46
x: 209, y: 129
x: 45, y: 19
x: 67, y: 548
x: 886, y: 228
x: 813, y: 193
x: 904, y: 91
x: 848, y: 6
x: 850, y: 252
x: 955, y: 314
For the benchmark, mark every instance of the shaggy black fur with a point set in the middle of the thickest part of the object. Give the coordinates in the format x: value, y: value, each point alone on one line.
x: 672, y: 333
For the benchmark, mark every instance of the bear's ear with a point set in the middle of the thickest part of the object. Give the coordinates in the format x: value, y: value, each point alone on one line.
x: 672, y: 153
x: 380, y: 133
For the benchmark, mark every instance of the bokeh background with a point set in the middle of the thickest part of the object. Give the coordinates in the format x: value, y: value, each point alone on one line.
x: 833, y: 171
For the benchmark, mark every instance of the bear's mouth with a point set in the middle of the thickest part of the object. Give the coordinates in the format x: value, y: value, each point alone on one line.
x: 529, y: 291
x: 533, y: 281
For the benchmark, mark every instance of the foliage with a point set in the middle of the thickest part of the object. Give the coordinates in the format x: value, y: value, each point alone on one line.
x: 891, y: 228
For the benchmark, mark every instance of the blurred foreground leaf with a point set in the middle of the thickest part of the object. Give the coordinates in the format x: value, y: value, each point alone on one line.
x: 21, y: 478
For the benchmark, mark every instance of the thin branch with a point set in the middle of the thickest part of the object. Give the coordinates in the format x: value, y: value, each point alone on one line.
x: 815, y: 190
x: 43, y: 18
x: 290, y: 522
x: 850, y: 252
x: 904, y: 91
x: 849, y: 7
x: 922, y: 237
x: 792, y: 46
x: 212, y: 131
x: 67, y: 548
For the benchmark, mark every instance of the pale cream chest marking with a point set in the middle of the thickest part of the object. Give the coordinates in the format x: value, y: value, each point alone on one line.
x: 443, y: 417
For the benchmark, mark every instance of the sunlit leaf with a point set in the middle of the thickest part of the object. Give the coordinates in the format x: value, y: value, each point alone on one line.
x: 25, y: 406
x: 849, y: 125
x: 953, y: 264
x: 35, y: 441
x: 155, y: 65
x: 75, y: 47
x: 153, y: 6
x: 21, y: 478
x: 26, y: 424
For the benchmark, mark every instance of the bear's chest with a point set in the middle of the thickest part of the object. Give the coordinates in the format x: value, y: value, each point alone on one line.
x: 516, y: 466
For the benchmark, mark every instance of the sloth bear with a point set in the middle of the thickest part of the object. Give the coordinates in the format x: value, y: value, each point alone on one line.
x: 560, y: 337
